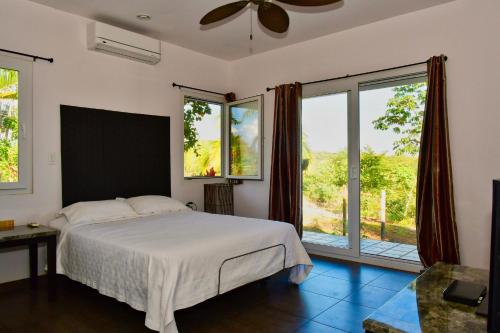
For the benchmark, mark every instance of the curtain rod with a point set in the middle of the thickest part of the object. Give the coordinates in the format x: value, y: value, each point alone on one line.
x: 365, y: 73
x: 35, y: 57
x: 197, y: 89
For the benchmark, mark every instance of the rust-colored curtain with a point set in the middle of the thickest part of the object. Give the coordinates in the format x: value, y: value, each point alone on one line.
x: 437, y: 237
x: 285, y: 201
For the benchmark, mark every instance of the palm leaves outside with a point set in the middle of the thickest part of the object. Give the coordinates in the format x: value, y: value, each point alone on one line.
x: 9, y: 82
x: 203, y: 157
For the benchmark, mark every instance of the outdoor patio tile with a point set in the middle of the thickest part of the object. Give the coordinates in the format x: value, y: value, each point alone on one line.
x: 380, y: 245
x: 396, y: 250
x: 411, y: 257
x: 368, y: 242
x: 390, y: 254
x: 375, y: 249
x: 372, y: 251
x: 405, y: 247
x: 387, y: 245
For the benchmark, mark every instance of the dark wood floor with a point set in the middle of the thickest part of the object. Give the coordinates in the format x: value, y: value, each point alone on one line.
x: 335, y: 298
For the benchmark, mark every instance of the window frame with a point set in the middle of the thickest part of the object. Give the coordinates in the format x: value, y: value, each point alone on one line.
x: 260, y: 170
x: 354, y: 85
x: 213, y: 100
x: 24, y: 67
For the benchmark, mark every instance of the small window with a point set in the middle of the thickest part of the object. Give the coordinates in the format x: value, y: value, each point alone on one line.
x: 15, y: 125
x: 244, y: 148
x: 203, y: 145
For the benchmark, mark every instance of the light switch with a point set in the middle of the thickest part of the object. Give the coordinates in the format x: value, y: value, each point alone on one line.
x: 52, y: 158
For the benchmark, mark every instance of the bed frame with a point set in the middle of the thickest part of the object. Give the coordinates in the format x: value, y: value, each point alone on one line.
x: 108, y: 154
x: 249, y: 253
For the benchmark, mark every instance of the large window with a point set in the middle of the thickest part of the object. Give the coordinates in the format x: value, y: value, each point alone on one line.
x: 202, y: 138
x: 15, y: 125
x: 223, y: 140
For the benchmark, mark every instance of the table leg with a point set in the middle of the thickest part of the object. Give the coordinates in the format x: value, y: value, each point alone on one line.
x: 33, y: 253
x: 51, y: 267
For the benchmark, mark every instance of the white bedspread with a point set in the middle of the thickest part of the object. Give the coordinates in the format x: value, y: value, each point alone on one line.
x: 160, y: 264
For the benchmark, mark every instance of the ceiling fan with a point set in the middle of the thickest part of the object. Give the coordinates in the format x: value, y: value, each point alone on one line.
x: 272, y: 16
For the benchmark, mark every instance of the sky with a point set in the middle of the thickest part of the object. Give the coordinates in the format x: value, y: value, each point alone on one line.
x: 209, y: 128
x: 248, y: 129
x: 324, y: 121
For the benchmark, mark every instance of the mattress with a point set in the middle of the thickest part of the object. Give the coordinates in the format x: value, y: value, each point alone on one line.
x: 159, y: 264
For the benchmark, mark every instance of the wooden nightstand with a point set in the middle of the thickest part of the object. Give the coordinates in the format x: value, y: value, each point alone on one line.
x: 31, y: 237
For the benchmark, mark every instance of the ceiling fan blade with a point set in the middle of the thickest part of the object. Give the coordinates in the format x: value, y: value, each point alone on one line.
x: 223, y: 12
x: 309, y: 3
x: 273, y: 17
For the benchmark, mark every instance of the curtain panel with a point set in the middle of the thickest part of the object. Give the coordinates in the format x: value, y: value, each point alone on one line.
x: 437, y: 237
x: 285, y: 199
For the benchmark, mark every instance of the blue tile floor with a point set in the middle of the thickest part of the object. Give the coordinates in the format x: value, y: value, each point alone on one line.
x: 336, y: 298
x: 357, y: 288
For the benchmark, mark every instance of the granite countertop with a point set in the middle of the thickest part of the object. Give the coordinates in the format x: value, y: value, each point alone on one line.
x: 420, y: 307
x: 24, y: 232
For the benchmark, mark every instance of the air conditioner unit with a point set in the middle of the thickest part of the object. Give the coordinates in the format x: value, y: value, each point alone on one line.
x: 115, y: 41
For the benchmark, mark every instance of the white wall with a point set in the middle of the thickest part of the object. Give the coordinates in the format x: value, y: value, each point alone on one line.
x: 464, y: 30
x: 85, y: 78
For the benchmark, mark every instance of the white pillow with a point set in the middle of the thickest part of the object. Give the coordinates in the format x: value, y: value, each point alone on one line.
x: 155, y: 204
x: 97, y: 211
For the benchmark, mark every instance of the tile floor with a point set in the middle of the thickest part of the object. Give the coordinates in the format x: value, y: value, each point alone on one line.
x: 335, y: 298
x: 356, y: 289
x: 368, y: 246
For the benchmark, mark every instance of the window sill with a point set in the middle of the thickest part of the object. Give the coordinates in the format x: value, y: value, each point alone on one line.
x: 16, y: 191
x: 204, y: 177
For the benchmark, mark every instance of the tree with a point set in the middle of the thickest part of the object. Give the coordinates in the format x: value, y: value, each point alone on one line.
x: 404, y: 115
x: 194, y: 110
x: 8, y: 125
x: 372, y: 171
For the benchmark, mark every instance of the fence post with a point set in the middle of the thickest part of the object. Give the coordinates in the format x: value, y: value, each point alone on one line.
x: 344, y: 216
x: 382, y: 214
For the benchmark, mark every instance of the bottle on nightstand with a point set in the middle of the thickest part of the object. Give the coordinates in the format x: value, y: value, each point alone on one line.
x: 6, y: 225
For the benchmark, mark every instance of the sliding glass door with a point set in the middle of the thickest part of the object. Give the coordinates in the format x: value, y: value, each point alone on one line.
x: 391, y: 115
x: 360, y: 143
x: 325, y: 171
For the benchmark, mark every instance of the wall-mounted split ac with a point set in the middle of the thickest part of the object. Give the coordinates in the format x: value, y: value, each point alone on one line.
x: 115, y: 41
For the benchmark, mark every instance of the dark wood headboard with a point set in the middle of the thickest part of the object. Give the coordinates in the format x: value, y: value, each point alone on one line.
x: 107, y: 154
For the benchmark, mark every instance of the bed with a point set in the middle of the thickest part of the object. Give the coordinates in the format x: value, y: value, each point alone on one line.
x: 159, y: 264
x: 164, y: 262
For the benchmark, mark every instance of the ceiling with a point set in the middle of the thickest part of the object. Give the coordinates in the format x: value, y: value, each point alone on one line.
x: 176, y: 21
